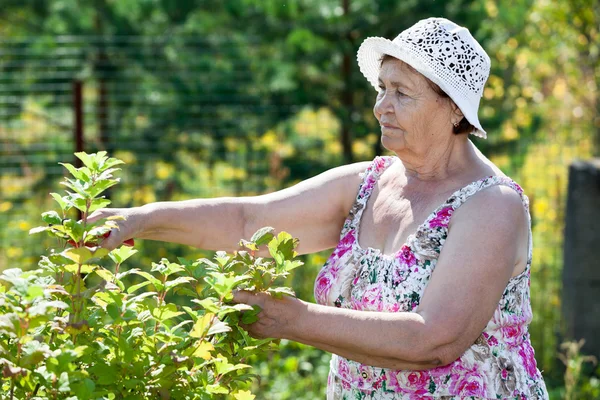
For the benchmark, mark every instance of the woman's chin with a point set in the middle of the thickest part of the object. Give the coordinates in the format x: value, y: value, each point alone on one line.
x: 392, y: 142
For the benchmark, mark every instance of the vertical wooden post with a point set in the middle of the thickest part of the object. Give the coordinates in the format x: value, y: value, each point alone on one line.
x: 78, y: 123
x: 78, y: 118
x: 581, y: 271
x: 347, y: 94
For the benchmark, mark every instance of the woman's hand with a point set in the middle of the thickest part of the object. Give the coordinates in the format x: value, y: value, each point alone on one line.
x: 278, y: 317
x: 128, y: 228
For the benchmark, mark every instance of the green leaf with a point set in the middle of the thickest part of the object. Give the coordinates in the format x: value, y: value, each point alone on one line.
x: 84, y: 389
x: 114, y: 311
x: 103, y: 374
x: 105, y: 274
x: 38, y: 229
x: 84, y: 269
x: 101, y: 186
x: 223, y: 366
x: 190, y: 312
x: 81, y: 255
x: 74, y: 229
x: 249, y: 245
x: 98, y: 204
x: 202, y: 350
x: 292, y: 264
x: 111, y: 162
x: 222, y: 258
x: 133, y: 288
x: 34, y: 352
x: 51, y: 218
x: 121, y: 254
x: 202, y: 325
x: 150, y: 278
x: 92, y: 161
x: 166, y: 312
x: 209, y: 304
x: 216, y: 388
x: 82, y: 174
x: 244, y: 395
x: 218, y: 327
x: 250, y: 317
x: 62, y: 202
x: 280, y: 291
x: 33, y: 292
x: 263, y: 236
x: 165, y: 267
x: 78, y: 187
x: 221, y: 283
x: 282, y: 248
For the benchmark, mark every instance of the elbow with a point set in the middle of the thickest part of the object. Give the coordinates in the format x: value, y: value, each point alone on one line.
x: 432, y: 358
x: 435, y: 351
x: 445, y: 355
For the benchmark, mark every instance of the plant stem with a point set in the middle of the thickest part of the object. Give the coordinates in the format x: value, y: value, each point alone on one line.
x: 35, y: 390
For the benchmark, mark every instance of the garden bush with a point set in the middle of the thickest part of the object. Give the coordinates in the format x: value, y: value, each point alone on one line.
x: 82, y: 326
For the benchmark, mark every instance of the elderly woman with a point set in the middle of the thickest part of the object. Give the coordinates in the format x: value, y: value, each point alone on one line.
x: 426, y: 294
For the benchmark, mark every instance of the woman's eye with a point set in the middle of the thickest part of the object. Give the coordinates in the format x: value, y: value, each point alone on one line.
x: 401, y: 94
x: 382, y: 88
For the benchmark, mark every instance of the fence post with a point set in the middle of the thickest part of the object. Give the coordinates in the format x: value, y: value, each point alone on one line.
x: 581, y: 271
x: 78, y: 119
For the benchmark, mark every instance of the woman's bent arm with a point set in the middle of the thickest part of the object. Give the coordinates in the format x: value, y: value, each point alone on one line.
x: 473, y: 269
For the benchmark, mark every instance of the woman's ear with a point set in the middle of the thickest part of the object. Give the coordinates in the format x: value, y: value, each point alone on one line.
x: 457, y: 115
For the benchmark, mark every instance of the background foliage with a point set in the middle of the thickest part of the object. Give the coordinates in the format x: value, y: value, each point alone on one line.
x: 239, y: 97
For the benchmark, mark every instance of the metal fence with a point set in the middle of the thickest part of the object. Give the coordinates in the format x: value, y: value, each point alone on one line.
x: 184, y: 102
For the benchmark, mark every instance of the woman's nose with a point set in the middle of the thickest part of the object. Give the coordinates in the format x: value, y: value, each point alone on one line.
x: 382, y: 104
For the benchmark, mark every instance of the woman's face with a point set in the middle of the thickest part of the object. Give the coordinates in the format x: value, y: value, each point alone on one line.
x: 413, y: 117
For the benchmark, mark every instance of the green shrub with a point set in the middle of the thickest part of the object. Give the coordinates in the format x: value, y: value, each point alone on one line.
x: 74, y: 328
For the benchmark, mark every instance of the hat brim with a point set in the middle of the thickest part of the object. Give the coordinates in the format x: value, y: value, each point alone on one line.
x: 369, y: 55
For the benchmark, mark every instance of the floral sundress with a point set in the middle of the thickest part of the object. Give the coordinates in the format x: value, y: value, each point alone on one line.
x: 499, y: 365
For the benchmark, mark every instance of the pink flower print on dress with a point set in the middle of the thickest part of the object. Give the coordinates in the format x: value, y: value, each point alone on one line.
x: 379, y: 164
x: 368, y: 186
x: 528, y: 358
x: 371, y: 300
x: 344, y: 246
x: 365, y: 376
x: 392, y: 381
x: 343, y: 369
x: 406, y: 256
x: 399, y: 273
x: 442, y: 218
x: 415, y: 382
x: 322, y: 287
x: 513, y: 331
x: 394, y: 307
x: 468, y: 384
x: 518, y: 187
x: 492, y: 341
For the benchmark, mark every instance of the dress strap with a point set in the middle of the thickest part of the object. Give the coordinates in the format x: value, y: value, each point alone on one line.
x: 369, y: 178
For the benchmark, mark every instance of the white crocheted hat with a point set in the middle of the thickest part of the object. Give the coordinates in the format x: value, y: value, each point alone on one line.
x: 443, y: 52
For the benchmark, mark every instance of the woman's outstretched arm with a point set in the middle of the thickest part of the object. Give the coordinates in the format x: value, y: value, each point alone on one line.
x: 313, y: 211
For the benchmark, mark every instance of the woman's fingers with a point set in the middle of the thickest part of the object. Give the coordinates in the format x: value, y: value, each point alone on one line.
x: 98, y: 214
x: 243, y: 296
x: 123, y: 234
